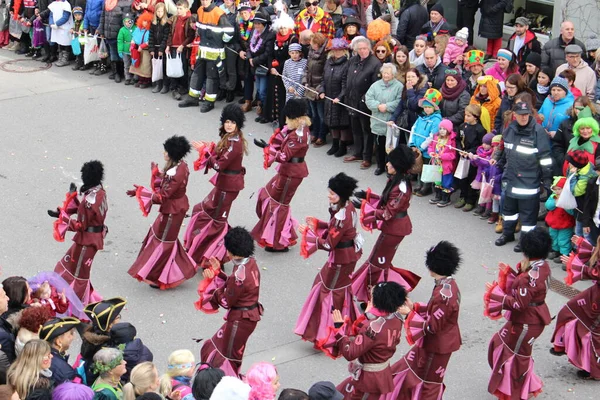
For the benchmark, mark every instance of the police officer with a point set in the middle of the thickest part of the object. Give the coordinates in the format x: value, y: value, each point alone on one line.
x: 527, y: 165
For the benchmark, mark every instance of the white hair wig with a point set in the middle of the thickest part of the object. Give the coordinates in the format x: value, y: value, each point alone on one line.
x: 283, y: 21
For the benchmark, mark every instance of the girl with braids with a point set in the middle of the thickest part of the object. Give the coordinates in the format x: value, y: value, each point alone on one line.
x: 208, y: 225
x: 387, y: 213
x: 30, y: 374
x: 110, y: 366
x: 162, y: 261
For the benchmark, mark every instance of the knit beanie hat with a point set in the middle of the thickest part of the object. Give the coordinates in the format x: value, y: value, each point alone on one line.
x: 535, y: 59
x: 437, y: 7
x: 463, y: 34
x: 447, y: 125
x: 77, y: 10
x: 496, y: 140
x: 504, y: 53
x: 560, y: 82
x: 577, y: 158
x: 487, y: 138
x: 592, y: 43
x: 548, y: 71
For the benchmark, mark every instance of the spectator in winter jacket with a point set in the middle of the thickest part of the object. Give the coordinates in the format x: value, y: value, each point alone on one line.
x: 542, y: 87
x: 453, y: 55
x: 560, y: 222
x: 523, y: 42
x: 313, y: 79
x: 585, y: 134
x: 91, y: 17
x: 487, y: 95
x: 59, y: 333
x: 379, y: 9
x: 7, y: 339
x: 514, y: 85
x: 491, y: 24
x: 135, y: 352
x: 505, y: 66
x: 564, y: 135
x: 437, y: 24
x: 590, y: 219
x: 434, y: 69
x: 157, y: 43
x: 473, y: 69
x: 580, y: 171
x: 553, y: 53
x: 111, y: 22
x: 182, y: 35
x: 585, y: 77
x: 411, y: 18
x: 555, y: 107
x: 455, y: 98
x: 414, y: 90
x: 123, y: 45
x: 442, y: 151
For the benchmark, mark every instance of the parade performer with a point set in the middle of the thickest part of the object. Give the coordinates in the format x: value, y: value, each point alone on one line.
x: 275, y: 230
x: 577, y: 332
x: 331, y: 288
x: 162, y: 261
x: 239, y: 294
x: 89, y: 228
x: 370, y: 348
x: 432, y: 329
x: 522, y: 293
x: 388, y: 213
x: 208, y: 225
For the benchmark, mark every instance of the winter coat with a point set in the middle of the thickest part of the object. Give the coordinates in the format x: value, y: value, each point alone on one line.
x: 540, y: 97
x: 557, y: 217
x: 61, y: 369
x: 334, y: 86
x: 427, y: 29
x: 578, y: 185
x: 454, y: 110
x: 555, y: 112
x: 500, y: 75
x: 585, y: 78
x: 412, y: 17
x: 389, y: 11
x: 453, y: 50
x: 447, y: 156
x: 7, y: 348
x: 112, y: 21
x: 482, y: 164
x: 560, y: 144
x: 410, y: 102
x: 313, y: 78
x: 505, y: 105
x: 361, y: 75
x: 491, y: 23
x: 159, y: 34
x: 91, y: 342
x: 264, y: 54
x: 380, y: 92
x: 435, y: 76
x: 423, y: 130
x: 135, y: 352
x: 470, y: 137
x: 553, y: 53
x: 531, y: 45
x: 124, y: 40
x: 93, y: 12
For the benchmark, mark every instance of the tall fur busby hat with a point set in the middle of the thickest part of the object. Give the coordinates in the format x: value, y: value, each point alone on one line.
x: 92, y: 173
x: 443, y: 258
x: 233, y: 112
x: 536, y: 243
x: 388, y: 296
x: 239, y: 242
x: 402, y: 159
x: 342, y: 185
x: 177, y: 147
x: 294, y: 108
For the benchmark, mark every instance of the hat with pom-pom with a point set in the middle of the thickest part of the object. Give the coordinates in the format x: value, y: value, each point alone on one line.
x: 560, y: 82
x: 496, y: 140
x: 463, y: 34
x: 559, y: 181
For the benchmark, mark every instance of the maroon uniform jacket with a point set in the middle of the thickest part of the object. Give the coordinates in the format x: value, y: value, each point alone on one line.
x: 228, y: 164
x: 291, y: 154
x: 374, y: 345
x: 89, y: 227
x: 527, y: 298
x: 171, y: 193
x: 339, y: 236
x: 394, y: 217
x: 442, y: 334
x: 241, y: 292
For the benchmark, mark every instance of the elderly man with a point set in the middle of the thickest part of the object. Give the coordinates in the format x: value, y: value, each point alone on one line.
x: 433, y: 68
x: 585, y: 77
x: 315, y: 19
x: 437, y: 24
x: 523, y: 42
x: 553, y: 53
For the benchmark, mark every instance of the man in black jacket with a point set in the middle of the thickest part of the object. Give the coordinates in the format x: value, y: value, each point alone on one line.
x: 553, y: 53
x: 7, y: 339
x: 527, y: 165
x: 433, y: 68
x: 523, y: 42
x: 411, y: 17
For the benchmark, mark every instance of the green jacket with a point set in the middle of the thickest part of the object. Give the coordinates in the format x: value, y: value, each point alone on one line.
x: 389, y: 94
x: 124, y: 40
x: 580, y: 180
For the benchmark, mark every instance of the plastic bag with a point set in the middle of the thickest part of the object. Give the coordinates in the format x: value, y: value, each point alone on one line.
x: 391, y: 138
x: 157, y: 69
x: 90, y: 52
x: 485, y: 194
x: 462, y: 169
x: 75, y: 45
x: 567, y: 200
x: 4, y: 17
x: 15, y: 28
x: 102, y: 49
x: 431, y: 173
x: 174, y: 66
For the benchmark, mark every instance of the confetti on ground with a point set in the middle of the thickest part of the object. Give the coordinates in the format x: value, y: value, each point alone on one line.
x: 273, y: 359
x: 250, y: 134
x: 145, y: 114
x: 68, y: 158
x: 157, y: 109
x: 161, y: 315
x: 116, y: 254
x: 265, y: 268
x: 164, y: 322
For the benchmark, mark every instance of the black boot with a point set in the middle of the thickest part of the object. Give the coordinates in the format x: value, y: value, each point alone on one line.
x: 438, y: 196
x: 37, y: 55
x: 189, y: 101
x: 445, y: 200
x: 425, y: 190
x: 120, y: 72
x: 342, y: 150
x: 207, y: 106
x: 334, y: 147
x: 113, y: 70
x: 53, y: 54
x: 47, y: 55
x: 101, y: 68
x: 221, y: 95
x: 230, y: 96
x: 157, y: 87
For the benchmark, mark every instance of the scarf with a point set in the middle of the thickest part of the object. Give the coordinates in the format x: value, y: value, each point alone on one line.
x: 456, y: 91
x: 282, y: 39
x: 542, y: 89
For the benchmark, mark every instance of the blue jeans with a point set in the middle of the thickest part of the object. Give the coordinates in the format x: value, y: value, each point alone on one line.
x: 113, y: 50
x: 261, y: 89
x: 317, y: 112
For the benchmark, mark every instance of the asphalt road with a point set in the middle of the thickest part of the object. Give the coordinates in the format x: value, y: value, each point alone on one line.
x: 54, y: 120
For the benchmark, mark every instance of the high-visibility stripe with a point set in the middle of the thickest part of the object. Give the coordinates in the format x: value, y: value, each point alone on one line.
x: 524, y: 191
x: 527, y: 228
x: 210, y: 97
x: 511, y: 217
x: 508, y: 145
x: 217, y: 29
x: 526, y: 150
x: 546, y: 161
x: 194, y: 93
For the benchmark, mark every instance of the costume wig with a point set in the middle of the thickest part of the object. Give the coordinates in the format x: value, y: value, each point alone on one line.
x: 206, y: 380
x: 378, y: 29
x: 536, y: 243
x: 260, y: 377
x: 233, y: 112
x: 443, y: 258
x: 146, y: 16
x: 388, y: 296
x: 239, y: 242
x: 402, y: 159
x: 70, y: 391
x: 33, y: 318
x: 342, y: 185
x: 294, y: 108
x: 283, y: 21
x: 92, y: 174
x: 177, y: 147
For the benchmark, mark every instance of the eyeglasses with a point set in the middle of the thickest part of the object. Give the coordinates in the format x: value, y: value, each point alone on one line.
x: 573, y: 55
x: 380, y: 51
x: 314, y: 3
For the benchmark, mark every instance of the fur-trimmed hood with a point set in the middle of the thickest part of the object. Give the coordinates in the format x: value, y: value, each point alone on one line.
x: 293, y: 124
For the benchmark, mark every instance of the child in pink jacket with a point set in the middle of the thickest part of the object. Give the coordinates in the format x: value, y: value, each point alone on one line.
x: 453, y: 56
x: 442, y: 151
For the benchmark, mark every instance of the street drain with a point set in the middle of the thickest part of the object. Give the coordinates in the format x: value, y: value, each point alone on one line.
x: 23, y: 66
x: 559, y: 287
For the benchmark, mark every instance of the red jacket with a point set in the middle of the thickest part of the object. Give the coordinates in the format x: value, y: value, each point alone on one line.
x: 339, y: 232
x: 91, y: 213
x: 394, y: 217
x: 293, y: 149
x: 228, y: 164
x: 241, y: 290
x: 171, y: 195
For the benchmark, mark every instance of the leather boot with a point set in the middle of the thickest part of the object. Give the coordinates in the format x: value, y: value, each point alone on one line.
x: 342, y: 150
x: 78, y: 64
x: 53, y: 54
x: 118, y: 76
x: 101, y: 68
x: 230, y: 96
x: 499, y: 225
x: 493, y: 218
x: 247, y: 107
x: 259, y: 108
x: 334, y: 147
x: 221, y: 95
x: 113, y: 70
x: 437, y: 197
x: 444, y: 200
x: 189, y: 101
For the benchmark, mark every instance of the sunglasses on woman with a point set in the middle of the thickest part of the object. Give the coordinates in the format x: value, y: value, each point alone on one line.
x: 314, y: 3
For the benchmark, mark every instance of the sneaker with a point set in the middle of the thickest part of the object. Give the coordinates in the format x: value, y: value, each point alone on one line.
x: 460, y: 203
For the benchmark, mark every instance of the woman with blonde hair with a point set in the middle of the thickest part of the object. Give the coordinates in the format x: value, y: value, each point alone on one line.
x: 144, y: 379
x: 177, y: 379
x: 110, y: 366
x: 30, y: 373
x: 157, y: 43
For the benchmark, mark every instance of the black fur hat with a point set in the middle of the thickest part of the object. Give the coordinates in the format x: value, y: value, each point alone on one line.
x: 342, y: 185
x: 239, y: 242
x: 294, y: 108
x: 177, y: 147
x: 388, y: 296
x: 402, y: 158
x: 92, y: 173
x: 233, y: 112
x: 536, y: 243
x: 443, y: 258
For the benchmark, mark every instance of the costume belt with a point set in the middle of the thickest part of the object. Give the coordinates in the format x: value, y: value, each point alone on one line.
x: 537, y: 304
x: 369, y: 367
x: 401, y: 214
x: 296, y: 160
x: 231, y: 172
x: 94, y: 229
x: 252, y: 307
x: 356, y: 368
x: 345, y: 245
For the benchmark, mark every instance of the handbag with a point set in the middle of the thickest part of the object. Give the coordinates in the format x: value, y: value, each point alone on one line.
x: 402, y: 120
x: 157, y: 69
x: 431, y: 173
x: 136, y: 55
x: 462, y: 169
x: 75, y: 45
x: 174, y: 66
x: 90, y: 51
x: 485, y: 194
x: 567, y: 200
x: 102, y: 49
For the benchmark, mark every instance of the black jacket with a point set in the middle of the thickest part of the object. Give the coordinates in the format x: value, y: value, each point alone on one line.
x: 412, y: 17
x: 334, y: 84
x: 553, y: 53
x: 361, y: 75
x: 560, y: 144
x: 492, y: 18
x: 590, y: 203
x: 112, y: 21
x: 7, y: 348
x: 437, y: 76
x: 470, y: 137
x: 135, y: 351
x: 454, y: 110
x: 264, y: 54
x: 506, y: 105
x: 157, y: 42
x: 531, y: 45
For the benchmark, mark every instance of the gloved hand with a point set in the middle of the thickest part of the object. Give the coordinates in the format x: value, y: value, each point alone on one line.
x: 360, y: 194
x: 54, y: 214
x: 357, y: 203
x: 260, y: 143
x: 132, y: 192
x: 72, y: 188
